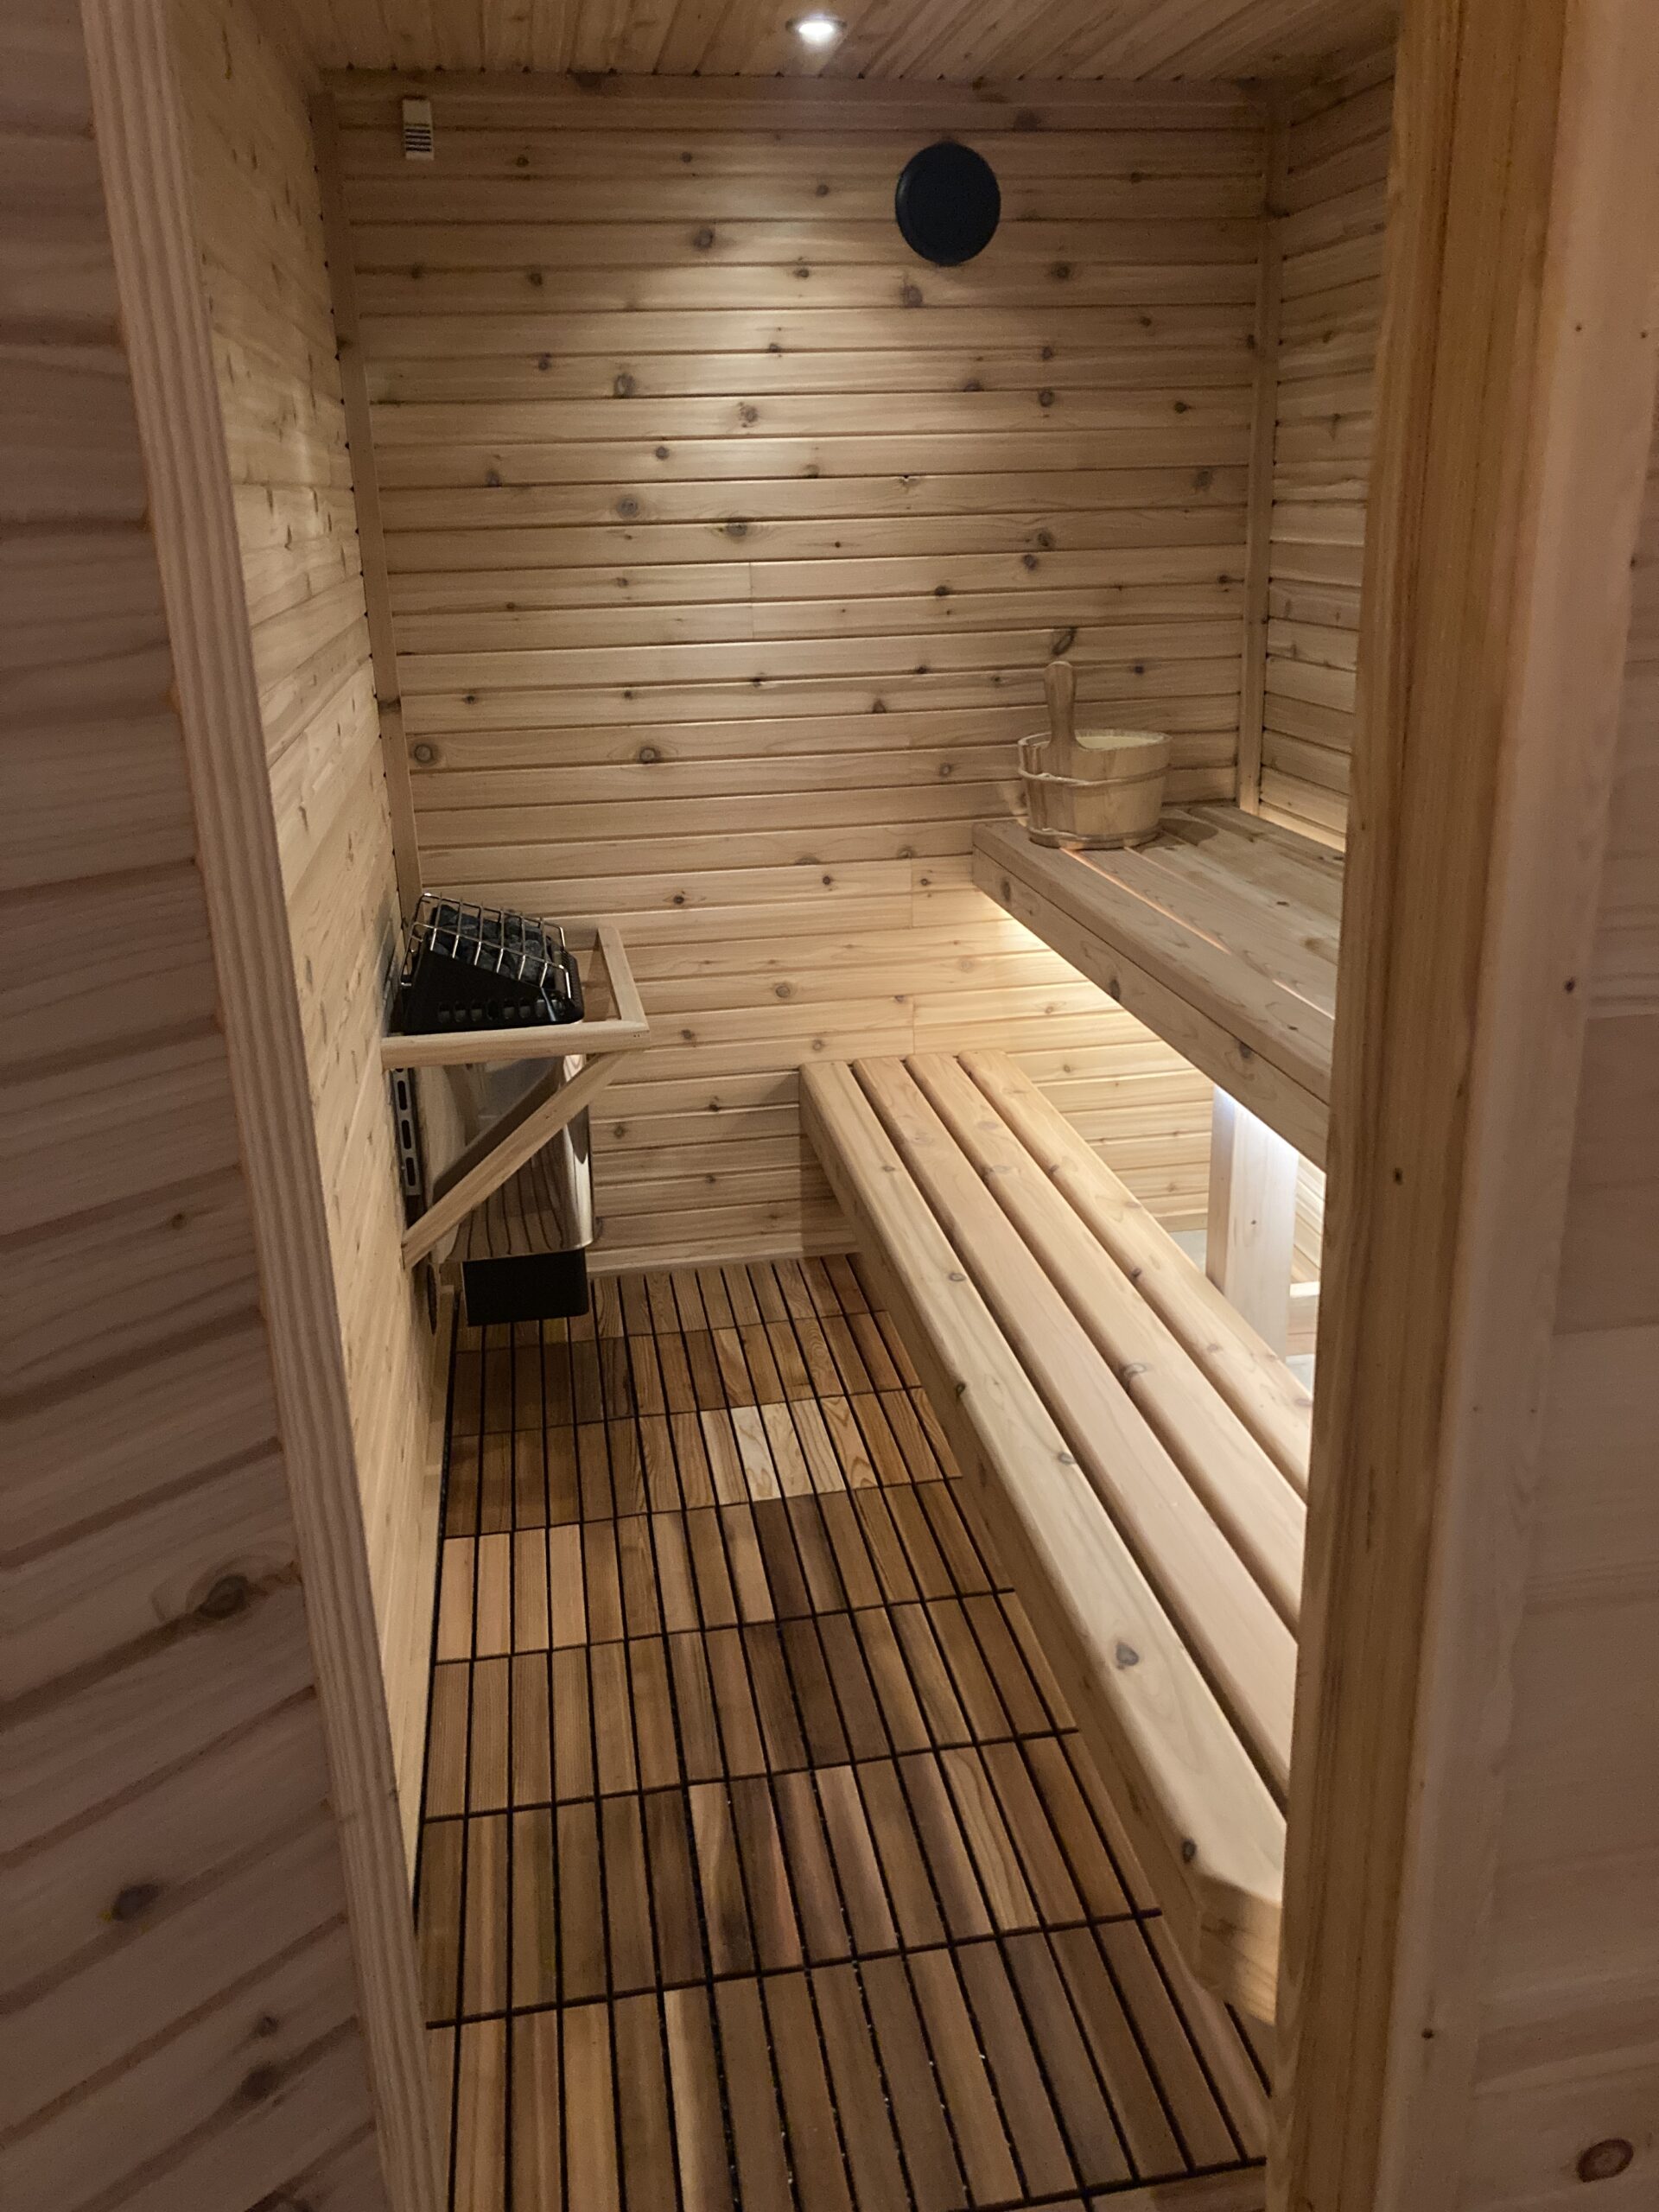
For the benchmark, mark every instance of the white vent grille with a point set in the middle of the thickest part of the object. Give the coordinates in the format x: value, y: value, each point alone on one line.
x: 418, y: 130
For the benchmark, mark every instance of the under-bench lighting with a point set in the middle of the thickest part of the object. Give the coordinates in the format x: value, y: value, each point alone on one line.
x: 817, y: 29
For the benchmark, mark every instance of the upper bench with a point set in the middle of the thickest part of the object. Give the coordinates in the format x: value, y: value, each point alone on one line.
x: 1221, y: 935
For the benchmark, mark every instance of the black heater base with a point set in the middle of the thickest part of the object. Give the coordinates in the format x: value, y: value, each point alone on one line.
x: 526, y: 1286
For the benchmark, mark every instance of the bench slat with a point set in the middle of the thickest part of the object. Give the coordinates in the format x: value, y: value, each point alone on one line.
x: 1245, y: 1493
x: 1262, y: 1390
x: 1241, y: 1643
x: 1201, y: 1817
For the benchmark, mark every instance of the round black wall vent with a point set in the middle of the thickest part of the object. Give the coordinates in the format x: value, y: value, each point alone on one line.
x: 948, y: 204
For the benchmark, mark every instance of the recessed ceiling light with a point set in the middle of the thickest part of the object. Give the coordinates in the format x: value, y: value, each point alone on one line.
x: 818, y: 28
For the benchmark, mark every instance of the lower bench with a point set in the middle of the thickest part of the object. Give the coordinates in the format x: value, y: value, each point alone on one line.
x: 1139, y: 1452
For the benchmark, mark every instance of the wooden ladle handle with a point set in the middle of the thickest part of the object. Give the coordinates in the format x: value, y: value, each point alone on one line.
x: 1060, y: 682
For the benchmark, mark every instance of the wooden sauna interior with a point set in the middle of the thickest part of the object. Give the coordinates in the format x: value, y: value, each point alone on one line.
x: 815, y: 1732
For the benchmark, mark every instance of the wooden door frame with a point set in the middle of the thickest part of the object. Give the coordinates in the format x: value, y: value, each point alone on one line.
x: 1515, y: 404
x: 142, y: 150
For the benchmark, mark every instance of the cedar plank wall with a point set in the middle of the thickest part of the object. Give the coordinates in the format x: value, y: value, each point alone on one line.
x: 1332, y: 203
x: 1330, y: 237
x: 727, y: 541
x: 1568, y: 2053
x: 176, y: 1947
x: 258, y: 216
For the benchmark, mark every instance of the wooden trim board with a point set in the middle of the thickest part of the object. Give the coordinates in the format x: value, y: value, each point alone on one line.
x: 141, y: 148
x: 1516, y: 395
x: 412, y: 1658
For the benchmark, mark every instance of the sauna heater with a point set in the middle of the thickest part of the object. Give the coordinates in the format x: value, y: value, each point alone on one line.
x: 521, y: 1253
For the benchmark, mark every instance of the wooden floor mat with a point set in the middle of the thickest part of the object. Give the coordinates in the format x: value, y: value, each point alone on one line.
x: 761, y: 1864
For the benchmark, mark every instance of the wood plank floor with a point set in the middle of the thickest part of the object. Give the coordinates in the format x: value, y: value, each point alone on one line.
x: 761, y: 1864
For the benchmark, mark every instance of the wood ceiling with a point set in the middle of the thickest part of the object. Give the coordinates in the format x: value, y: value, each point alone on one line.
x: 956, y: 40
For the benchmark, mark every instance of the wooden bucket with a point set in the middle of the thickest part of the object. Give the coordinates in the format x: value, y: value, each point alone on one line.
x: 1118, y: 802
x: 1091, y: 786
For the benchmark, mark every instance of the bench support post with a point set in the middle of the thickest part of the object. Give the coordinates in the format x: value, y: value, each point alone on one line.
x: 1252, y: 1230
